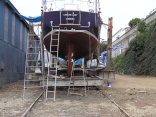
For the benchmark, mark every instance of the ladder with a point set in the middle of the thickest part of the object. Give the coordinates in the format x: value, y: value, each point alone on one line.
x: 71, y: 81
x: 52, y: 64
x: 34, y: 63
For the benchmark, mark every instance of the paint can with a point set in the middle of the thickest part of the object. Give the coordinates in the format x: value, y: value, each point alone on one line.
x: 109, y: 84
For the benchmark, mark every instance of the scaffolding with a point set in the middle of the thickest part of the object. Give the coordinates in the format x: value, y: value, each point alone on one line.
x: 34, y: 64
x: 72, y: 80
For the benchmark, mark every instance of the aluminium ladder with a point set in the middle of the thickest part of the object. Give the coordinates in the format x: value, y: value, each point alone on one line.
x: 52, y: 64
x: 71, y: 81
x: 34, y: 61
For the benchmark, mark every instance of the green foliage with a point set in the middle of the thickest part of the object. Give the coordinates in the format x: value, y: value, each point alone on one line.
x: 140, y: 58
x: 103, y: 46
x: 141, y: 27
x: 134, y: 22
x: 148, y: 58
x: 129, y: 62
x: 137, y: 44
x: 116, y: 63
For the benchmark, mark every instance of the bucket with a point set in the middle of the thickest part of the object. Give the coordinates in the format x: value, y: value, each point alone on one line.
x: 109, y: 84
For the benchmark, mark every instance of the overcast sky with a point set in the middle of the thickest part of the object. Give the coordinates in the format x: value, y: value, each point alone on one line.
x: 122, y: 11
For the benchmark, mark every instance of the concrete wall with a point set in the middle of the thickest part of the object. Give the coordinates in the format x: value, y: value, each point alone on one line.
x: 119, y: 33
x: 125, y: 39
x: 13, y: 38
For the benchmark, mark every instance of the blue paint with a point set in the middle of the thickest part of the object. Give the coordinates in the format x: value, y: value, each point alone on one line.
x: 17, y: 32
x: 10, y: 27
x: 2, y: 7
x: 23, y: 38
x: 109, y: 84
x: 11, y: 55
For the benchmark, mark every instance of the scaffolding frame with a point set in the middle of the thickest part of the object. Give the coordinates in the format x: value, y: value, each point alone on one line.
x: 34, y: 63
x: 71, y: 81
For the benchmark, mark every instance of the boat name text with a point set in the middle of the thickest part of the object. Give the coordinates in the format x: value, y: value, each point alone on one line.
x: 70, y: 14
x: 70, y: 18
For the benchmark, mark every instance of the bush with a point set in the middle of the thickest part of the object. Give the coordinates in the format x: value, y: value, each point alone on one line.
x: 142, y: 27
x: 140, y: 57
x: 134, y: 22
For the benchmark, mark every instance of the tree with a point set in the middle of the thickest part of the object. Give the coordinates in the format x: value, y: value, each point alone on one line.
x: 103, y: 46
x: 134, y: 22
x: 142, y: 27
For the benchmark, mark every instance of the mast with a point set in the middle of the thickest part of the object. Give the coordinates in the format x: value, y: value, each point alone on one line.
x: 44, y: 2
x: 95, y: 6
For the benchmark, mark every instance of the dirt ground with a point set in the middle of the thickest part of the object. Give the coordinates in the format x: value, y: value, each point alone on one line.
x: 134, y: 94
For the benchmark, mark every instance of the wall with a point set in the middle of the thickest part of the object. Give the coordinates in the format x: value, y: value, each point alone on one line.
x: 119, y: 33
x: 13, y: 36
x: 125, y: 39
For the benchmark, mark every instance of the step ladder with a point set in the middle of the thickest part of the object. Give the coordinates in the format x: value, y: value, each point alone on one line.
x: 52, y: 64
x: 71, y: 81
x: 34, y: 64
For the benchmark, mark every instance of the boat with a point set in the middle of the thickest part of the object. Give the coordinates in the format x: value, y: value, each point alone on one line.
x: 77, y: 30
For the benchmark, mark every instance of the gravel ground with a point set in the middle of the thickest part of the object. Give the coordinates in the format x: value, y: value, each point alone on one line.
x: 12, y: 103
x: 93, y: 105
x: 135, y: 94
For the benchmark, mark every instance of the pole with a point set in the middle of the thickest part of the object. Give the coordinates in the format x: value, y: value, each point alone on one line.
x: 109, y: 44
x: 99, y: 23
x: 95, y: 6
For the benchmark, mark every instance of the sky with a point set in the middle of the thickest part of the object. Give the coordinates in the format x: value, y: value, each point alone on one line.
x: 122, y: 11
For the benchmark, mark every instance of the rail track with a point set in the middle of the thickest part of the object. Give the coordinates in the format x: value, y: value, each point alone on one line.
x: 31, y: 106
x: 113, y: 102
x: 121, y: 109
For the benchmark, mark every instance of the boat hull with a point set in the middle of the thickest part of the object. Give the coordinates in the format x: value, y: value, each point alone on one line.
x: 77, y: 28
x: 83, y: 43
x: 85, y: 20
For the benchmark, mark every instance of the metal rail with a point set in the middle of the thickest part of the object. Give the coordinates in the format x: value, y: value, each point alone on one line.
x: 30, y: 107
x: 121, y: 109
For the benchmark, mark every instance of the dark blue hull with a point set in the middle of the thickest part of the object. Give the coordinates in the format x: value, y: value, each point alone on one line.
x: 84, y: 40
x: 70, y: 17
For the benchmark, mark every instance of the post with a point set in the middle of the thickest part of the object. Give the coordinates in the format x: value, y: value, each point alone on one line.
x: 109, y: 44
x: 99, y: 32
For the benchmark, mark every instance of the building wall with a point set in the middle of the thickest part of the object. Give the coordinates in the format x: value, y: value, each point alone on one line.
x: 13, y: 36
x: 119, y: 33
x: 125, y: 39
